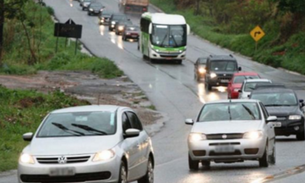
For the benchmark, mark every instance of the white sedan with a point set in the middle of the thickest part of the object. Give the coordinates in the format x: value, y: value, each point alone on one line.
x: 88, y: 144
x: 232, y: 131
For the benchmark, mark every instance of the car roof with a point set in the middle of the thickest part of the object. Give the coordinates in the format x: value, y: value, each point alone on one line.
x: 273, y: 90
x: 222, y: 57
x: 232, y: 101
x: 88, y: 108
x: 256, y: 80
x: 245, y: 74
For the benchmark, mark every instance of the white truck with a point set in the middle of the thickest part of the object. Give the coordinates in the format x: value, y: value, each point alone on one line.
x: 136, y: 6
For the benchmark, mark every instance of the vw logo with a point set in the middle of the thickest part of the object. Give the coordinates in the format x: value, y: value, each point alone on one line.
x: 62, y: 160
x: 224, y: 136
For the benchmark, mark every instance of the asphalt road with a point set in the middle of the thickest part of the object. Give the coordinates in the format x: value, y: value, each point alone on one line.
x: 173, y: 90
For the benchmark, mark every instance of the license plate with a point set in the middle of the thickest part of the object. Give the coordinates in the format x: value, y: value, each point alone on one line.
x: 224, y: 149
x: 224, y: 81
x: 67, y: 171
x: 134, y: 36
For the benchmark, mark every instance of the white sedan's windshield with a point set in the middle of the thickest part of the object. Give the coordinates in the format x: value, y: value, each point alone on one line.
x: 78, y: 124
x: 230, y: 111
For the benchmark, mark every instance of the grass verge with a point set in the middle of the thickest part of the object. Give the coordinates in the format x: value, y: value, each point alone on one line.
x: 21, y: 112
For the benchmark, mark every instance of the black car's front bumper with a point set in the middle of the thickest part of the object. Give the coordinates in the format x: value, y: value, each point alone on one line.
x: 289, y: 127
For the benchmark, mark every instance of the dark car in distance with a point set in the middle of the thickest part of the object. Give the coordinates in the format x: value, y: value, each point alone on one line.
x: 114, y: 19
x: 220, y: 70
x: 104, y: 17
x: 85, y: 4
x: 95, y: 8
x: 283, y: 103
x: 130, y: 32
x: 119, y: 26
x: 200, y: 68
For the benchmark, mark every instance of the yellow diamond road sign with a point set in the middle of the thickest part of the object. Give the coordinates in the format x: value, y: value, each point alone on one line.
x: 257, y: 33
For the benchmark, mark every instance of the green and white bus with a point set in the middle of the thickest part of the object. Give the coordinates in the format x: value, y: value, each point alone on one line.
x: 163, y: 36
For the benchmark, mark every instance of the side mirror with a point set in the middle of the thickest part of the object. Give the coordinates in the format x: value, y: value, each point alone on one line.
x: 239, y: 68
x: 27, y: 136
x: 189, y: 122
x: 188, y: 29
x: 301, y: 100
x: 132, y: 132
x: 271, y: 118
x: 239, y: 91
x: 150, y: 28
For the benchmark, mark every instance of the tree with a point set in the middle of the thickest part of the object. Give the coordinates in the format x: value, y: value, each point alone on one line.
x: 293, y: 6
x: 8, y: 9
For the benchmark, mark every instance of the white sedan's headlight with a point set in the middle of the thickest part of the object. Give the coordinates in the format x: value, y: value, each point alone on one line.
x: 26, y: 158
x: 104, y: 155
x: 194, y: 137
x: 254, y: 135
x: 213, y: 75
x: 295, y: 117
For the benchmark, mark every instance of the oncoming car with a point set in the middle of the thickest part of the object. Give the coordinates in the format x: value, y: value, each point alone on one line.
x: 98, y: 143
x: 231, y: 131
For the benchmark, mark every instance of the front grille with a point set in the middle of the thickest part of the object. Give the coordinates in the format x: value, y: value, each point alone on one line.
x: 224, y: 144
x: 55, y: 160
x: 236, y: 152
x: 223, y: 136
x: 199, y: 152
x: 168, y: 55
x: 251, y: 150
x: 81, y: 177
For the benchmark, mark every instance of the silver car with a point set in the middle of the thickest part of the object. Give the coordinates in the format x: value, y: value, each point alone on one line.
x: 232, y: 131
x: 88, y: 144
x: 249, y: 85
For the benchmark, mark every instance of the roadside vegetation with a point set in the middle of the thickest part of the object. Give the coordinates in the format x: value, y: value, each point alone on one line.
x: 29, y: 45
x: 21, y: 112
x: 228, y: 24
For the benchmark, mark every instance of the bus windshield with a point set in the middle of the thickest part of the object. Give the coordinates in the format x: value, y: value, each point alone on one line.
x: 169, y: 35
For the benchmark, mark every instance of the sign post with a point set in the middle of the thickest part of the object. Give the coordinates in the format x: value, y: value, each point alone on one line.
x: 68, y: 30
x: 257, y: 33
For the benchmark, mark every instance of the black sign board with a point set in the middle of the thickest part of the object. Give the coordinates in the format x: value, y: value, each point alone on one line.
x: 68, y: 29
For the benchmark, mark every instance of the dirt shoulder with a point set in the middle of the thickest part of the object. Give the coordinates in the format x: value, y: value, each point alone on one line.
x: 87, y: 86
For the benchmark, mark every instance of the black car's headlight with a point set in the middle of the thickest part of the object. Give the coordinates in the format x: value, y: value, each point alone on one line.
x: 295, y: 117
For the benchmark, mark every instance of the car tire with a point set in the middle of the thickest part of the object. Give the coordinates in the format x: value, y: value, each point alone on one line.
x: 208, y: 86
x: 273, y: 156
x: 264, y: 160
x: 149, y: 176
x: 301, y: 136
x: 193, y: 164
x: 123, y: 173
x: 197, y: 78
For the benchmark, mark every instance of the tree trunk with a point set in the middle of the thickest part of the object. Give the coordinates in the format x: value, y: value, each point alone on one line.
x: 33, y: 60
x: 1, y: 29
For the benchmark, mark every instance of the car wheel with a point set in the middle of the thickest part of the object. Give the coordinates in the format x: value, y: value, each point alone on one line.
x: 208, y: 86
x: 301, y: 135
x: 149, y: 176
x: 123, y: 173
x: 193, y: 164
x: 197, y: 78
x: 264, y: 160
x: 273, y: 157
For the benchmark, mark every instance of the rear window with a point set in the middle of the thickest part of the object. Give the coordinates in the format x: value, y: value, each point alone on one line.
x: 249, y: 86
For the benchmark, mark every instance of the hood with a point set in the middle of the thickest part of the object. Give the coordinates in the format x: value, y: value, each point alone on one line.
x: 227, y: 127
x: 283, y: 110
x: 71, y: 145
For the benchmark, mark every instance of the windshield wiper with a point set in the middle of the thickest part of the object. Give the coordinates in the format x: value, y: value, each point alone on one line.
x: 163, y: 40
x: 88, y: 128
x: 249, y: 111
x: 229, y: 111
x: 173, y: 38
x: 62, y: 127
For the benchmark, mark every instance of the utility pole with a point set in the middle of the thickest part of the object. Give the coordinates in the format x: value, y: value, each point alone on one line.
x: 1, y: 29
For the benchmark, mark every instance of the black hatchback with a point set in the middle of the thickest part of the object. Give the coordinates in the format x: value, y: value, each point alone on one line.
x: 283, y: 103
x: 95, y: 8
